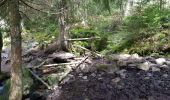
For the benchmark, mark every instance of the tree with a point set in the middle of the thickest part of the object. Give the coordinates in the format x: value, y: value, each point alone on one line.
x: 16, y: 60
x: 61, y: 43
x: 63, y: 28
x: 1, y: 45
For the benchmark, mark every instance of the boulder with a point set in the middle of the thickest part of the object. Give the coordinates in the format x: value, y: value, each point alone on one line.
x: 160, y: 61
x: 144, y: 66
x: 61, y: 57
x: 155, y: 69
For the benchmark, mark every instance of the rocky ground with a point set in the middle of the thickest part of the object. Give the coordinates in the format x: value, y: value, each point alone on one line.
x: 116, y: 77
x: 119, y: 77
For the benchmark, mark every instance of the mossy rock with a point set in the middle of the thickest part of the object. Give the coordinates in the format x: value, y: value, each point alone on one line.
x: 52, y: 79
x: 109, y: 68
x: 102, y: 67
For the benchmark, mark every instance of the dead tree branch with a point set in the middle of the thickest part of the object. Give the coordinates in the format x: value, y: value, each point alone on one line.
x: 83, y: 39
x: 2, y: 2
x: 38, y: 78
x: 88, y: 50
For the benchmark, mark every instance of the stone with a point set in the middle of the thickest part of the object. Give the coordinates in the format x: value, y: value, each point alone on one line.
x: 160, y: 61
x: 168, y: 63
x: 132, y: 65
x: 112, y: 68
x: 155, y: 69
x: 116, y: 80
x: 165, y: 75
x: 164, y: 66
x: 121, y: 73
x: 116, y: 57
x: 122, y: 63
x: 153, y: 65
x: 149, y: 74
x: 93, y: 74
x: 135, y: 56
x: 80, y: 74
x: 124, y: 56
x: 144, y: 66
x: 84, y: 77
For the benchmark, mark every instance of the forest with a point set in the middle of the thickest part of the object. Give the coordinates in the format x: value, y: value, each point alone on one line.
x: 85, y: 49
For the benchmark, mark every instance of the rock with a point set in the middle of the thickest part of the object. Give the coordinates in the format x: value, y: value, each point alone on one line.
x: 121, y: 73
x: 149, y: 74
x: 80, y: 75
x: 112, y: 68
x: 84, y: 77
x: 165, y: 75
x: 155, y: 69
x: 116, y: 57
x: 122, y: 63
x: 160, y: 61
x: 132, y: 65
x: 150, y: 59
x: 116, y: 80
x: 102, y: 67
x: 164, y: 66
x: 153, y: 65
x: 61, y: 57
x: 144, y: 66
x: 168, y: 63
x: 85, y: 68
x: 93, y: 74
x: 124, y: 56
x: 135, y: 56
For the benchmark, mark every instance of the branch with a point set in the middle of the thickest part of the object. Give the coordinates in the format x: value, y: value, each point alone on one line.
x: 38, y: 78
x: 83, y: 39
x: 2, y: 2
x: 88, y: 50
x: 51, y: 65
x: 41, y: 10
x: 83, y: 60
x: 22, y: 13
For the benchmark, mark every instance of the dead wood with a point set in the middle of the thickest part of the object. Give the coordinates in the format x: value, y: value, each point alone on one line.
x: 38, y: 78
x: 83, y: 39
x: 99, y: 55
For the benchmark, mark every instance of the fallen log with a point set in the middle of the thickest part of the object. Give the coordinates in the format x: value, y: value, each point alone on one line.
x: 62, y: 64
x: 82, y: 39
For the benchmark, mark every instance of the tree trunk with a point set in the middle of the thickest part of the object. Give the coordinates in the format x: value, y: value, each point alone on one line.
x: 1, y: 45
x: 62, y: 44
x: 16, y: 60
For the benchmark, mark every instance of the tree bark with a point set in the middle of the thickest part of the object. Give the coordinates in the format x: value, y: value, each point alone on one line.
x: 1, y: 45
x: 63, y: 45
x: 16, y: 60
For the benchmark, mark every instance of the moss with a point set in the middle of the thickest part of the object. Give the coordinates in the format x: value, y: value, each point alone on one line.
x: 102, y: 67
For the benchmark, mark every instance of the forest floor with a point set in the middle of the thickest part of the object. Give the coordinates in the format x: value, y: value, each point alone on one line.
x: 117, y: 77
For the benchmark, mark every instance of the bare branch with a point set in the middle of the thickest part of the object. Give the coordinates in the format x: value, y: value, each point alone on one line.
x: 38, y: 78
x: 83, y: 39
x: 47, y: 12
x: 2, y: 2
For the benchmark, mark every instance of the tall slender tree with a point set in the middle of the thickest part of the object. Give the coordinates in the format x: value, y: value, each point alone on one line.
x: 16, y: 60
